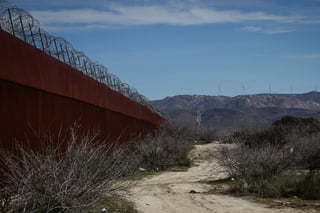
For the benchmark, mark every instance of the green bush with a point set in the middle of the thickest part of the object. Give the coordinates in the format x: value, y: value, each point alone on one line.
x: 309, y: 188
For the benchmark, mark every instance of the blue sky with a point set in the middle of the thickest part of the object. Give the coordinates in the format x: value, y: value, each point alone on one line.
x: 206, y: 47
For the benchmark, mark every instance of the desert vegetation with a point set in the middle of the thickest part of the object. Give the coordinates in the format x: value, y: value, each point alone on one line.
x: 68, y: 175
x: 77, y: 171
x: 279, y: 161
x: 168, y: 148
x: 205, y: 135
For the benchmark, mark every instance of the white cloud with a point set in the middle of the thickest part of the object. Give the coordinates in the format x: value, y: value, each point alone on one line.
x: 147, y: 15
x: 279, y: 30
x: 268, y: 30
x: 252, y: 29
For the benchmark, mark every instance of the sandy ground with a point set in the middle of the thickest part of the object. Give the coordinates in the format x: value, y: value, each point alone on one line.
x: 170, y: 191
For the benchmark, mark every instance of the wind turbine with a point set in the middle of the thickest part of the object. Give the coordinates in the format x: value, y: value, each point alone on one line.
x: 270, y: 87
x: 243, y: 89
x: 219, y: 89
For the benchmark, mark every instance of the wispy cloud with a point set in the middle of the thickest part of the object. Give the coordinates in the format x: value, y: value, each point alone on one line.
x: 312, y: 56
x: 268, y: 30
x: 303, y: 56
x: 252, y: 29
x: 118, y: 14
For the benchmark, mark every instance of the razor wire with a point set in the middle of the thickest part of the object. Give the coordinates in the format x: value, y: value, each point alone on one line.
x: 24, y: 26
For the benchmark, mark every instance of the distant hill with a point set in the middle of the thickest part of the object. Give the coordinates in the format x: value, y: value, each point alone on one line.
x: 229, y: 113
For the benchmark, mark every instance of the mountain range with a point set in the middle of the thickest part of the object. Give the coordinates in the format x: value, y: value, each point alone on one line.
x: 226, y: 114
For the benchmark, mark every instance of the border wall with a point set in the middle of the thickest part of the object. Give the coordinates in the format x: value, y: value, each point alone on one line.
x: 41, y: 93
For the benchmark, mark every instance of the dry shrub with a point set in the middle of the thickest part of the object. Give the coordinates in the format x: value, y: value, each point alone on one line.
x: 57, y: 179
x: 261, y: 158
x: 168, y: 147
x: 206, y: 135
x: 309, y: 187
x: 309, y: 150
x: 5, y: 200
x: 256, y: 166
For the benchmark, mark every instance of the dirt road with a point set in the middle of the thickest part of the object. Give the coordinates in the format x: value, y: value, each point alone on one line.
x: 169, y: 192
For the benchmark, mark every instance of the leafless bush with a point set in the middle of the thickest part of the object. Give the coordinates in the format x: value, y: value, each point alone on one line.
x: 258, y: 162
x: 257, y: 168
x: 304, y: 137
x: 206, y: 135
x: 66, y: 175
x: 169, y: 147
x: 261, y: 160
x: 310, y: 152
x: 5, y: 200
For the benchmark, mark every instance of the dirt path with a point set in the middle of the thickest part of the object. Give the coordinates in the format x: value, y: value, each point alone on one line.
x: 170, y: 191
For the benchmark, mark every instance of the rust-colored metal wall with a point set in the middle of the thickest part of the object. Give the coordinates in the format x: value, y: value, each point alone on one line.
x: 26, y: 109
x: 41, y: 92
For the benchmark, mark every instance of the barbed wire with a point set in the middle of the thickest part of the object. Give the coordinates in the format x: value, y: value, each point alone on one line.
x: 24, y: 26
